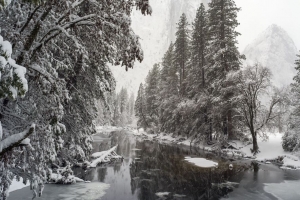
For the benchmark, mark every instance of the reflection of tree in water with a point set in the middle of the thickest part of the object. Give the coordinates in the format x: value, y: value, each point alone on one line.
x: 125, y: 143
x: 162, y: 169
x: 117, y: 167
x: 255, y: 166
x: 102, y: 171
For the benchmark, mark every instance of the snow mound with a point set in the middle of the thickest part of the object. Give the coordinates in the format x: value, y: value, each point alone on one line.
x: 162, y: 194
x: 202, y: 162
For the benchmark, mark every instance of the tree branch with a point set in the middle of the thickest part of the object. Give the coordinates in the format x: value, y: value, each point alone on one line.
x: 14, y: 140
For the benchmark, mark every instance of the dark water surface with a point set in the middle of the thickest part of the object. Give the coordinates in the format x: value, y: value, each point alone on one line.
x: 152, y: 171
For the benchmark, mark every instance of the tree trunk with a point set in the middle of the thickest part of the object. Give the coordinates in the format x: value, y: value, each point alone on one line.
x: 210, y: 128
x: 255, y: 148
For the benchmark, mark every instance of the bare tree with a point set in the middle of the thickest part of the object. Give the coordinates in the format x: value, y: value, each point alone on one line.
x: 253, y: 86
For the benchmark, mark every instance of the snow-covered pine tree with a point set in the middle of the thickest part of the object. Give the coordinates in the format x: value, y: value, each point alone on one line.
x: 141, y: 109
x: 199, y: 43
x: 123, y: 100
x: 152, y: 99
x: 124, y: 106
x: 223, y: 57
x: 181, y: 51
x: 116, y: 111
x: 169, y: 91
x: 196, y: 89
x: 291, y: 138
x: 131, y: 108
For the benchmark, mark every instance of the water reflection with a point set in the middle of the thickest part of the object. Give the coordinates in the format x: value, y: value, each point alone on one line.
x: 153, y: 171
x: 162, y: 169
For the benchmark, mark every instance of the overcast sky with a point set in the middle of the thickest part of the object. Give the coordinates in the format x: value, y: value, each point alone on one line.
x: 257, y: 15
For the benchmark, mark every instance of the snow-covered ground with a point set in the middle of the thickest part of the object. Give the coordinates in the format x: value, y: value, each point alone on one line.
x: 271, y: 150
x: 16, y: 185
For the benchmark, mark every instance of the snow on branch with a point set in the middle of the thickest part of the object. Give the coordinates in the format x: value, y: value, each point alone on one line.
x: 105, y: 156
x: 14, y: 140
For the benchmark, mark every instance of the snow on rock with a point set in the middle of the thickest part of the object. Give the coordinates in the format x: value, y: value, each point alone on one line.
x: 105, y: 156
x: 162, y: 194
x: 78, y: 179
x: 202, y: 162
x: 61, y: 179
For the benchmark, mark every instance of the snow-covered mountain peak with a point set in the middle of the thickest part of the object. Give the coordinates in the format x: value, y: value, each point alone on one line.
x: 275, y: 49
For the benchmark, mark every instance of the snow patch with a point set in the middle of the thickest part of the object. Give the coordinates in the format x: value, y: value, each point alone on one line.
x: 16, y: 185
x: 201, y: 162
x: 162, y: 194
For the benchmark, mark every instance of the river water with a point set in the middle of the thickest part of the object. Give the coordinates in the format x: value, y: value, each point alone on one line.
x: 152, y: 171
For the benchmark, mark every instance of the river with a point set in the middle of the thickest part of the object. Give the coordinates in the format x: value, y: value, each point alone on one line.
x: 152, y: 171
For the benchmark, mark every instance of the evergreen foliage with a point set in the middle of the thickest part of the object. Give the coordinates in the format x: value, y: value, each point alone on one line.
x: 141, y: 109
x: 291, y: 141
x: 181, y: 51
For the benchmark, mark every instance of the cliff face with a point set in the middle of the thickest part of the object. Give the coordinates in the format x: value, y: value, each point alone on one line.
x: 156, y: 33
x: 274, y: 49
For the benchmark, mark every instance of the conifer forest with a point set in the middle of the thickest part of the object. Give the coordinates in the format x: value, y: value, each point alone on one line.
x: 149, y: 99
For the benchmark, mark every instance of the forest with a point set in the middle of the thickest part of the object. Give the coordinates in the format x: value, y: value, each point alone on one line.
x: 202, y: 90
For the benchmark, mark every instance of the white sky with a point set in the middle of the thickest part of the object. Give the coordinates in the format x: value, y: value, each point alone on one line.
x: 257, y: 15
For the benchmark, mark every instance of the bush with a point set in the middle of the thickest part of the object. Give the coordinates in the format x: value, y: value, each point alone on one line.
x: 290, y: 141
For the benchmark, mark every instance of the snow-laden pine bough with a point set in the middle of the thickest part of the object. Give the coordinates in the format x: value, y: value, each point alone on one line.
x: 64, y: 175
x: 105, y: 157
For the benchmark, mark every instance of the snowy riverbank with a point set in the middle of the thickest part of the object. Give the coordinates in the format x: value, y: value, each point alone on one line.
x: 271, y: 150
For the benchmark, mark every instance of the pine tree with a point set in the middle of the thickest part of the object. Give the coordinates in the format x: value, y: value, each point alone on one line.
x: 152, y: 99
x: 181, y: 52
x: 199, y: 43
x: 168, y: 76
x: 291, y: 138
x: 117, y: 111
x: 169, y: 91
x: 140, y: 108
x: 131, y: 105
x: 123, y: 100
x: 223, y: 58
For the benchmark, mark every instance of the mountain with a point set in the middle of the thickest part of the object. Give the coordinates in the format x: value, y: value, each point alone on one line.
x: 156, y: 33
x: 274, y: 49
